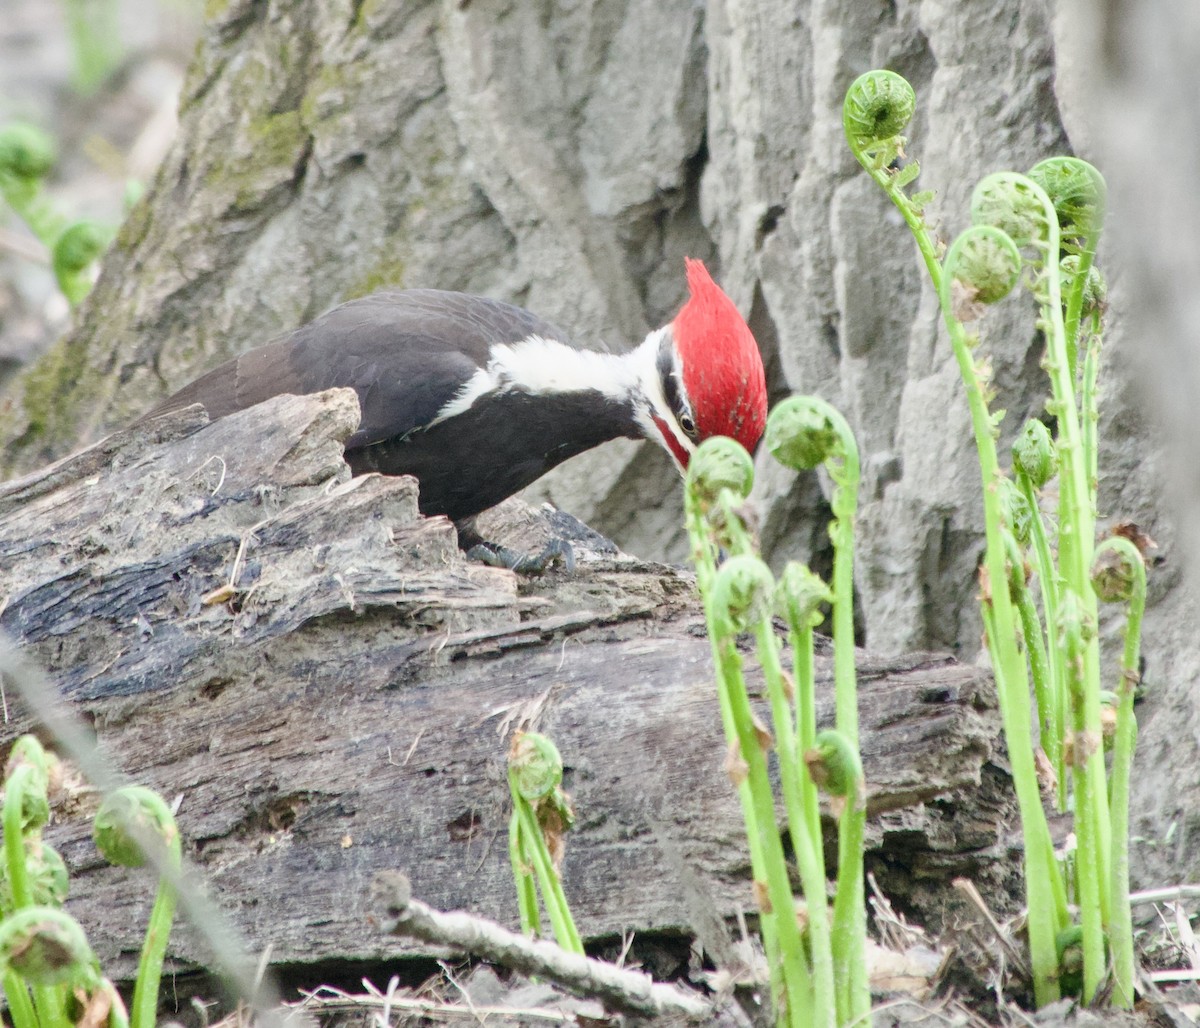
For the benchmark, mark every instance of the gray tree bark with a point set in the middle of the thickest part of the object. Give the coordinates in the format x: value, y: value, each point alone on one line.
x: 568, y: 156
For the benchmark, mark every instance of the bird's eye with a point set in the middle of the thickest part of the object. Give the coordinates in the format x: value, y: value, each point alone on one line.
x: 687, y: 424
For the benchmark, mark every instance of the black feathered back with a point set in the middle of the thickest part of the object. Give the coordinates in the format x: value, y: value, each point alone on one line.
x: 405, y: 352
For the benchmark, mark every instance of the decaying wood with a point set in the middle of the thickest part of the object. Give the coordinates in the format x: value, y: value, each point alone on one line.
x: 327, y: 685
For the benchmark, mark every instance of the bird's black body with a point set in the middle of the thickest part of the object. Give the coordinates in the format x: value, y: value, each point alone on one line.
x: 407, y: 355
x: 526, y: 435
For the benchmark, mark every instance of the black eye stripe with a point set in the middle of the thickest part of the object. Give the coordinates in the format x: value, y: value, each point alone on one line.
x: 670, y: 383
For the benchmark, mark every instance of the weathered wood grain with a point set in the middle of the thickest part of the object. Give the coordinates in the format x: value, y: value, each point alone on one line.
x: 328, y: 686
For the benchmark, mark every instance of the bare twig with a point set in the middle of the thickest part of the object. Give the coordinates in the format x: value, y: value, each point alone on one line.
x: 1187, y: 938
x: 221, y: 480
x: 627, y: 991
x: 1179, y: 974
x: 1171, y: 892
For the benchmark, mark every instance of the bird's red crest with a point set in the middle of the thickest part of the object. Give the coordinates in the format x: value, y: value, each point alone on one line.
x: 722, y: 367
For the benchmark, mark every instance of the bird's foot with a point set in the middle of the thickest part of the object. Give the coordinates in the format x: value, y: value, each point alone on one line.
x: 496, y: 556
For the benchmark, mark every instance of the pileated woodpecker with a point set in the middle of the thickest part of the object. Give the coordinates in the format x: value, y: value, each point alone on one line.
x: 477, y: 398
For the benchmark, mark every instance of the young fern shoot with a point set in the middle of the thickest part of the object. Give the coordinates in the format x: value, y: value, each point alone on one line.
x: 803, y: 433
x: 26, y: 157
x: 51, y: 977
x: 1025, y: 224
x: 541, y: 815
x: 818, y: 975
x: 130, y: 824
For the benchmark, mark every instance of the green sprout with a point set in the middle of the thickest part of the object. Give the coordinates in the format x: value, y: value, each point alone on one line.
x: 835, y: 767
x: 26, y: 811
x: 46, y: 947
x: 1021, y: 228
x: 804, y: 432
x: 26, y: 157
x: 818, y: 973
x: 47, y: 968
x: 541, y: 815
x: 74, y: 252
x: 132, y: 825
x: 1034, y: 455
x: 741, y: 598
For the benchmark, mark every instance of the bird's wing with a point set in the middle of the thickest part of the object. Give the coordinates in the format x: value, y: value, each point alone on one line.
x: 405, y: 353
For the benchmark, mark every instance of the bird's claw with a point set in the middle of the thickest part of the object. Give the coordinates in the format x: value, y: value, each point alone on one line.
x: 497, y: 556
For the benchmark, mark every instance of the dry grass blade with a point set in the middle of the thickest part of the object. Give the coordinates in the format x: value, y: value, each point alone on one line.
x: 327, y: 1000
x: 1003, y: 937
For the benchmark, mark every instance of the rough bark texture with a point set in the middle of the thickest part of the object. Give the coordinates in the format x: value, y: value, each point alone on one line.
x: 567, y: 156
x: 328, y: 686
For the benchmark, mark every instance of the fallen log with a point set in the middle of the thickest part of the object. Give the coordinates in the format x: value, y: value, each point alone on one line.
x: 326, y: 686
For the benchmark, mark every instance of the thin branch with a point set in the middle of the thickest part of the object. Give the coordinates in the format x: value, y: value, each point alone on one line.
x: 624, y: 990
x: 1171, y: 892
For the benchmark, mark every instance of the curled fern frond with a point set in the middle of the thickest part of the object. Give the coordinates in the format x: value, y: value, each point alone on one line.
x: 25, y: 151
x: 47, y: 947
x: 1118, y: 571
x: 800, y: 595
x: 80, y: 244
x: 986, y: 260
x: 835, y: 766
x: 878, y: 107
x: 1095, y: 289
x: 72, y: 255
x: 535, y: 766
x: 1011, y: 203
x: 48, y: 877
x: 743, y: 592
x: 130, y: 819
x: 1018, y: 515
x: 1033, y: 453
x: 720, y: 463
x: 1078, y: 192
x: 805, y: 431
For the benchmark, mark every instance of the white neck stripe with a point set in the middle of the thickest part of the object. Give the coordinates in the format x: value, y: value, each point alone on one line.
x: 545, y: 366
x: 542, y: 366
